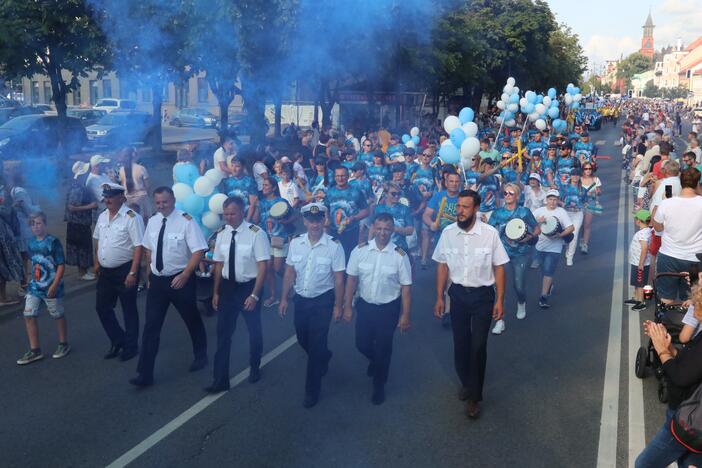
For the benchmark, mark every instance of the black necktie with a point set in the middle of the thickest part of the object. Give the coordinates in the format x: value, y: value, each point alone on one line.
x: 232, y: 257
x: 159, y: 247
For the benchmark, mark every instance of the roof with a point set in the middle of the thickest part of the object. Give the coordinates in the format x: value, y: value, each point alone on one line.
x: 691, y: 65
x: 649, y: 21
x: 695, y: 44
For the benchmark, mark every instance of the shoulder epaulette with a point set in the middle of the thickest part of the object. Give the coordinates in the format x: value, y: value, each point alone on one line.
x: 336, y: 240
x: 254, y: 228
x: 400, y: 251
x: 187, y: 216
x: 131, y: 213
x: 365, y: 244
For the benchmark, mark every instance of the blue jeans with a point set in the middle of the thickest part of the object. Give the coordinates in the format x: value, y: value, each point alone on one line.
x: 664, y: 449
x: 519, y: 264
x: 549, y: 262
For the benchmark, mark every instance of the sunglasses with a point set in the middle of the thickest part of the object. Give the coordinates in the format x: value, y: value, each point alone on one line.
x: 394, y: 194
x: 587, y: 168
x: 508, y: 193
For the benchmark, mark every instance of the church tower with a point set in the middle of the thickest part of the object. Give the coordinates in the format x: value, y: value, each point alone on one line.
x: 647, y: 40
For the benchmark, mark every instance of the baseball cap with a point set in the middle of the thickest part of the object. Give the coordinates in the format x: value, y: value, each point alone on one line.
x: 643, y: 215
x: 566, y: 145
x: 553, y: 193
x: 313, y: 210
x: 409, y: 152
x: 79, y: 168
x: 98, y: 159
x: 535, y: 176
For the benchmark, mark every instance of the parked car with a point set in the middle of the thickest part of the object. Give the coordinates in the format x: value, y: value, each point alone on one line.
x: 7, y: 113
x: 120, y: 128
x: 86, y: 116
x: 45, y: 108
x: 194, y: 116
x: 38, y: 136
x: 109, y: 104
x: 238, y: 125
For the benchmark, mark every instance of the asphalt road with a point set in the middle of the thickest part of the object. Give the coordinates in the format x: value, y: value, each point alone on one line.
x: 543, y: 395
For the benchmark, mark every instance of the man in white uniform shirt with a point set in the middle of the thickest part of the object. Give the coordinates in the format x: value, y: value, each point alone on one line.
x: 383, y: 275
x: 315, y: 266
x: 174, y: 246
x: 118, y: 233
x: 471, y: 254
x: 241, y: 254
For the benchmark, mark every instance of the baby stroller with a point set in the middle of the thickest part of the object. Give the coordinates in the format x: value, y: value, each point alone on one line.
x: 670, y: 315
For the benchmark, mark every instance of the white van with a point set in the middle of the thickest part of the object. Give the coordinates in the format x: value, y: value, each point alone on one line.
x: 109, y: 104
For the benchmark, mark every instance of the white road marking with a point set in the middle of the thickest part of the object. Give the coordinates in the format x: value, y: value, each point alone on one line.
x: 194, y: 410
x: 600, y: 142
x: 607, y: 447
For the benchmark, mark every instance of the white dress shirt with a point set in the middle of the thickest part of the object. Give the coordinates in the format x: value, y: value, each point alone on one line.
x: 117, y: 238
x: 252, y: 246
x: 471, y: 255
x: 316, y: 264
x: 181, y: 238
x: 381, y: 273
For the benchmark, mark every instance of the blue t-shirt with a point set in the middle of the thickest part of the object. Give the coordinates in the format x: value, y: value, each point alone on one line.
x: 46, y: 255
x: 364, y: 185
x: 399, y: 148
x: 241, y: 187
x: 411, y: 168
x: 534, y: 146
x: 448, y: 214
x: 586, y: 150
x: 563, y: 170
x: 402, y: 217
x: 488, y: 188
x: 378, y: 175
x: 272, y: 227
x: 573, y: 197
x: 344, y: 203
x: 316, y: 182
x: 499, y: 219
x: 366, y: 158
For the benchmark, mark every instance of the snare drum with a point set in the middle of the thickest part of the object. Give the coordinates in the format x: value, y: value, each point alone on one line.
x: 551, y: 227
x: 516, y: 230
x: 280, y: 210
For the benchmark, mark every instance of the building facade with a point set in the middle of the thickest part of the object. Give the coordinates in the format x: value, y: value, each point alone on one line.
x: 647, y: 39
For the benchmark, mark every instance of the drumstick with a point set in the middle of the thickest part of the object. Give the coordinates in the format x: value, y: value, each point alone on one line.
x: 437, y: 221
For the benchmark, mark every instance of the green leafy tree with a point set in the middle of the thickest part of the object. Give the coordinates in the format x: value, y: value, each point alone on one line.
x: 633, y: 65
x: 651, y: 90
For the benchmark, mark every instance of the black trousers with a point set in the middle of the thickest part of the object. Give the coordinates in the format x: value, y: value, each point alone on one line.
x: 110, y: 287
x: 312, y: 319
x: 375, y: 329
x: 471, y: 316
x: 348, y: 239
x: 159, y: 297
x: 231, y: 302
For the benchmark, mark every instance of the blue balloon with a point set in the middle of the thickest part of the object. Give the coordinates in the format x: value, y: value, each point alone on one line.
x: 539, y: 99
x: 405, y: 138
x: 529, y: 108
x: 457, y: 137
x: 576, y: 90
x: 194, y: 204
x: 553, y: 112
x: 514, y: 99
x: 508, y: 115
x: 575, y: 105
x: 415, y: 139
x: 179, y: 206
x: 555, y: 103
x: 552, y: 93
x: 449, y: 154
x: 530, y: 97
x: 466, y: 115
x: 186, y: 173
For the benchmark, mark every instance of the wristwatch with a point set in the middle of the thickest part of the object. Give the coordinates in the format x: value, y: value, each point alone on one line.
x: 132, y: 273
x: 254, y: 296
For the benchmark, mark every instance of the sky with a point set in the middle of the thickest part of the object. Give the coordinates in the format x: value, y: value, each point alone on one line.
x: 609, y: 28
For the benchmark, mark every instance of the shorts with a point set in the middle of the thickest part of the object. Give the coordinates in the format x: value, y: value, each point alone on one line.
x: 632, y: 276
x: 671, y: 287
x: 549, y: 262
x: 280, y: 252
x: 32, y: 305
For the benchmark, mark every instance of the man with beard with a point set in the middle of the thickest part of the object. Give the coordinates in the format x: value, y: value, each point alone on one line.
x: 471, y: 254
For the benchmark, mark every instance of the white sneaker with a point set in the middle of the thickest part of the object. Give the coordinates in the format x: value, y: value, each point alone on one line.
x: 569, y: 262
x: 89, y: 276
x: 499, y: 327
x: 521, y: 310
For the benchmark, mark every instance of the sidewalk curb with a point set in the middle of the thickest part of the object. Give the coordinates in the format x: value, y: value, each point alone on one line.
x: 69, y: 293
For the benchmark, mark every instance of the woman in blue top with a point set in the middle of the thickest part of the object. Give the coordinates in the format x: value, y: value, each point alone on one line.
x: 366, y: 154
x: 378, y: 173
x: 279, y: 232
x: 573, y: 198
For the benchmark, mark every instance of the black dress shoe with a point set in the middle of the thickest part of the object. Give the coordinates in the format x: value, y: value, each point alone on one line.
x: 141, y: 382
x: 127, y: 355
x: 254, y: 375
x: 463, y: 394
x: 378, y: 395
x: 310, y: 400
x: 113, y: 352
x: 371, y: 370
x: 325, y: 369
x: 473, y: 409
x: 216, y: 389
x: 198, y: 363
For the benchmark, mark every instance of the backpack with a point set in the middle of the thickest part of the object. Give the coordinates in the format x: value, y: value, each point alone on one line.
x: 686, y: 425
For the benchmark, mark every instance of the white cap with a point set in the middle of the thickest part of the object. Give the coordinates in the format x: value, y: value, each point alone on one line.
x: 98, y: 159
x: 535, y: 176
x: 111, y: 189
x: 79, y: 168
x: 553, y: 193
x: 313, y: 209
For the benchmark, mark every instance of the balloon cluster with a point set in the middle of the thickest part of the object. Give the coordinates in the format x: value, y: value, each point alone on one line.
x: 573, y: 96
x: 462, y: 144
x: 411, y: 140
x: 508, y: 103
x: 198, y: 196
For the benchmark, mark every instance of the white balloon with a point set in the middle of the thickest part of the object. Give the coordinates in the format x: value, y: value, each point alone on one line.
x: 498, y: 119
x: 511, y: 123
x: 577, y: 97
x: 547, y: 101
x: 216, y: 203
x: 215, y: 175
x: 505, y: 97
x: 211, y: 220
x: 511, y: 81
x: 540, y: 124
x: 540, y: 109
x: 533, y: 116
x: 203, y: 186
x: 568, y: 99
x: 470, y: 147
x: 470, y: 129
x: 181, y: 191
x: 467, y: 163
x: 508, y: 89
x: 446, y: 142
x: 515, y: 90
x: 523, y: 102
x: 451, y: 123
x: 513, y: 108
x: 409, y: 144
x: 414, y: 131
x: 501, y: 105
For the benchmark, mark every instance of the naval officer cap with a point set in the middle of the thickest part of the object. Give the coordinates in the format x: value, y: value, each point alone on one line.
x: 112, y: 190
x: 313, y: 210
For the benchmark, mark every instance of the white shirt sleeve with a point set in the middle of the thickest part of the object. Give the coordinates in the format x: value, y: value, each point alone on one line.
x: 690, y: 319
x: 438, y: 255
x: 405, y: 271
x: 262, y: 248
x: 136, y: 230
x: 339, y: 260
x: 660, y: 214
x: 288, y: 259
x: 146, y: 240
x: 352, y: 267
x: 194, y: 237
x: 499, y: 254
x: 218, y: 256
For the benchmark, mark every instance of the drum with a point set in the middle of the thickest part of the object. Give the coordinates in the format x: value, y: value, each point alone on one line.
x: 280, y: 210
x: 551, y: 226
x: 405, y: 201
x: 516, y: 229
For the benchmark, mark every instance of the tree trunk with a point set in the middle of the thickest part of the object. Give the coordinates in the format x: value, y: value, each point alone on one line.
x: 58, y: 95
x: 223, y: 103
x: 315, y: 117
x: 255, y: 106
x: 157, y: 131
